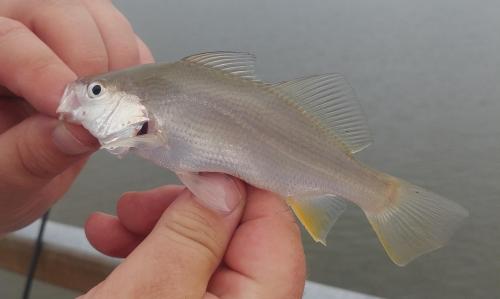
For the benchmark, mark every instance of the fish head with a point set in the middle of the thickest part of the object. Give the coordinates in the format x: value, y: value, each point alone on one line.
x: 106, y: 110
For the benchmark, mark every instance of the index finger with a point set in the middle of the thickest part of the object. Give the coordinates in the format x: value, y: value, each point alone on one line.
x: 30, y: 69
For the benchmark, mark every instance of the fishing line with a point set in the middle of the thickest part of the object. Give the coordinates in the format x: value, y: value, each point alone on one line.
x: 34, y: 258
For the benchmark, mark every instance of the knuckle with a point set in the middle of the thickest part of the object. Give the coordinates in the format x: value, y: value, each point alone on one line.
x: 95, y: 1
x: 290, y: 224
x: 39, y: 67
x: 10, y: 27
x: 287, y: 213
x: 93, y: 63
x: 192, y: 229
x: 123, y: 51
x: 58, y: 3
x: 154, y: 288
x: 294, y: 226
x: 118, y: 17
x: 52, y: 10
x: 289, y: 218
x: 124, y: 54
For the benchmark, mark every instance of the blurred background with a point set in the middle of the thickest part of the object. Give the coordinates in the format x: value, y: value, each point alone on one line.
x: 427, y: 74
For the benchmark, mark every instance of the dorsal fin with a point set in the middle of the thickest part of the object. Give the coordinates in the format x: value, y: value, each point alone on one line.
x: 236, y: 63
x: 331, y: 101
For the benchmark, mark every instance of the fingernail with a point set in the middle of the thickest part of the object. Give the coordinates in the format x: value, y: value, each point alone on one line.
x: 233, y: 195
x: 67, y: 143
x: 216, y: 191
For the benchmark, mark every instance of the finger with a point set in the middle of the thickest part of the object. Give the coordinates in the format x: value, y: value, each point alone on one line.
x: 265, y: 255
x: 70, y: 31
x: 145, y: 55
x: 13, y: 111
x: 178, y: 257
x: 60, y: 184
x: 5, y: 93
x: 31, y: 207
x: 117, y: 33
x: 34, y: 73
x: 139, y: 211
x: 109, y: 236
x: 35, y: 151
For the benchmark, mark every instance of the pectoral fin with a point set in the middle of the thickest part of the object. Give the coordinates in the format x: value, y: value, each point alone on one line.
x: 318, y: 214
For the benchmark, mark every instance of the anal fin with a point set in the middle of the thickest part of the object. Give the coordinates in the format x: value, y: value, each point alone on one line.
x: 317, y: 214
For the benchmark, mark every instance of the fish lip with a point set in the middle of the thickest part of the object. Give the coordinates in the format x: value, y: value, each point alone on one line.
x: 68, y: 104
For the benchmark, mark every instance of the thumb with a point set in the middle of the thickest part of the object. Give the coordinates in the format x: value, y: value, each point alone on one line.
x: 36, y: 150
x: 179, y: 256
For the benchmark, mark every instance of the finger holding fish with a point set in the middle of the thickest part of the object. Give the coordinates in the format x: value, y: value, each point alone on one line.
x: 137, y: 214
x: 264, y: 257
x: 36, y: 74
x: 90, y: 37
x: 188, y: 237
x: 118, y: 36
x: 43, y: 46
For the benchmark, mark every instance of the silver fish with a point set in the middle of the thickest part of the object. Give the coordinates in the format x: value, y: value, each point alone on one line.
x: 209, y: 113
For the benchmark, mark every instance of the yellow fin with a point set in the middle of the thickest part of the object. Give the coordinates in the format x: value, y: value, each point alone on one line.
x: 317, y: 214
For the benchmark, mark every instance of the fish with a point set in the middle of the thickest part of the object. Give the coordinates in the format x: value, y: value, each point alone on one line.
x: 209, y: 112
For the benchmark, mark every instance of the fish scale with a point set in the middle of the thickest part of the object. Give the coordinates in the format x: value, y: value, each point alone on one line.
x: 218, y: 131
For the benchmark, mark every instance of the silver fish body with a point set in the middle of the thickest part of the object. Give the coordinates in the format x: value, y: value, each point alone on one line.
x: 207, y: 113
x: 213, y: 122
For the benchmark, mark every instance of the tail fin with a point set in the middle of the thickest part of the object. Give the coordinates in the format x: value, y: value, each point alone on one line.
x: 416, y: 222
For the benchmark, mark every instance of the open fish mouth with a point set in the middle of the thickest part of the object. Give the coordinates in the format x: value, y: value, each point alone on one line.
x: 144, y: 129
x: 116, y: 138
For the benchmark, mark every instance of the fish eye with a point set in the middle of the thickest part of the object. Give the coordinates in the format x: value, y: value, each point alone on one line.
x: 95, y: 89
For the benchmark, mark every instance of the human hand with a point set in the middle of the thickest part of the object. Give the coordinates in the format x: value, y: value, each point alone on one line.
x: 43, y: 46
x: 177, y: 248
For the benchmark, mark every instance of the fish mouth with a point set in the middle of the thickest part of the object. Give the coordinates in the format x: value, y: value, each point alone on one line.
x: 121, y: 142
x: 144, y: 129
x: 132, y: 131
x: 69, y: 103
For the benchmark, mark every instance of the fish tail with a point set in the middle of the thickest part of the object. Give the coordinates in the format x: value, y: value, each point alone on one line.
x: 414, y: 221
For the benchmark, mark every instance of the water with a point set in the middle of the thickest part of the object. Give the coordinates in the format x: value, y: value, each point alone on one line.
x: 427, y: 73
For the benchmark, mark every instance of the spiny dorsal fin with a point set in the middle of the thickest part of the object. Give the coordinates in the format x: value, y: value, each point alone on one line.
x: 318, y: 214
x: 331, y: 100
x: 236, y: 63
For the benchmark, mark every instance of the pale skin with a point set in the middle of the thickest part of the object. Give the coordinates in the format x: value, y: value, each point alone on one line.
x: 173, y: 246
